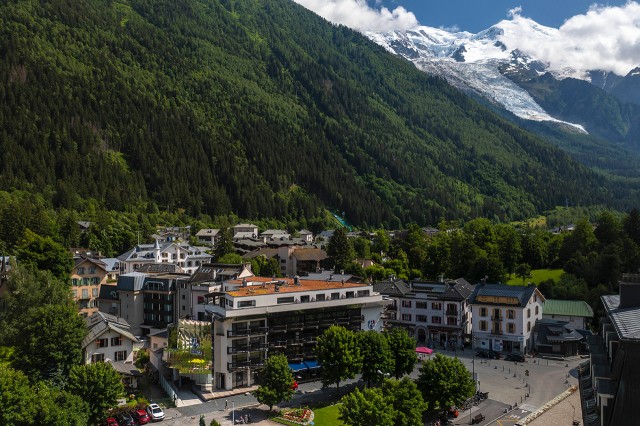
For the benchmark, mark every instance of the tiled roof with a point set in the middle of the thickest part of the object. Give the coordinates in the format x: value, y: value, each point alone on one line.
x: 309, y: 254
x: 572, y: 308
x: 255, y: 286
x: 626, y: 321
x: 266, y: 252
x: 207, y: 232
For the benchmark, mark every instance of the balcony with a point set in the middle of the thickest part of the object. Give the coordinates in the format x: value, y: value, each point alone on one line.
x: 296, y: 342
x: 295, y: 327
x: 451, y: 313
x: 497, y: 318
x: 244, y: 332
x: 392, y: 308
x: 496, y: 331
x: 246, y: 348
x: 236, y: 366
x: 256, y: 331
x: 278, y: 329
x: 278, y: 344
x: 311, y: 324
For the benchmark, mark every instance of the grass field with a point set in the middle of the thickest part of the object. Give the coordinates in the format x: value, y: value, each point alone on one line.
x: 537, y: 276
x: 326, y: 416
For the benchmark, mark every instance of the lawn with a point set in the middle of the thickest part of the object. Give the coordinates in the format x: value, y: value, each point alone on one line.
x: 537, y: 276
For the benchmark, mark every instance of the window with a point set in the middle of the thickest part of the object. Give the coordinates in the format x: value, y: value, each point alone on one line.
x: 406, y: 317
x: 95, y: 280
x: 304, y: 299
x: 97, y: 358
x: 92, y: 270
x: 528, y: 312
x: 320, y: 297
x: 121, y: 355
x: 184, y: 297
x: 496, y: 314
x: 528, y: 326
x: 102, y: 343
x: 536, y: 309
x: 511, y: 314
x: 289, y: 299
x: 483, y: 326
x: 422, y: 305
x: 436, y: 320
x: 483, y: 312
x: 511, y: 327
x: 200, y: 300
x: 436, y: 306
x: 406, y: 303
x: 75, y: 282
x: 94, y: 292
x: 421, y: 318
x: 350, y: 295
x: 85, y: 293
x: 81, y: 270
x: 116, y: 341
x: 452, y: 321
x: 335, y: 296
x: 363, y: 293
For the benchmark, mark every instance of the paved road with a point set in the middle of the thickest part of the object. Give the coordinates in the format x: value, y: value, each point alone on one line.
x: 546, y: 380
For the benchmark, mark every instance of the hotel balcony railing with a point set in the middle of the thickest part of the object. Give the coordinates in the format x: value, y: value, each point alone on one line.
x: 342, y: 321
x: 244, y: 332
x: 295, y: 342
x: 247, y: 348
x: 309, y: 340
x: 310, y: 356
x: 392, y: 308
x: 278, y: 344
x: 258, y: 330
x: 239, y: 365
x: 295, y: 326
x: 311, y: 324
x: 278, y: 329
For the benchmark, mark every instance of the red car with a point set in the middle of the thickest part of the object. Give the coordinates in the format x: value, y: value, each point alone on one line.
x: 141, y: 417
x: 110, y: 421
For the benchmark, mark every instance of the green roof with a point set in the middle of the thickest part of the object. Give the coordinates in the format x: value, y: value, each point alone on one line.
x: 570, y: 308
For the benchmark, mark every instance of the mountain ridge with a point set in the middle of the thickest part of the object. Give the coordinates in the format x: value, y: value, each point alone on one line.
x: 262, y: 109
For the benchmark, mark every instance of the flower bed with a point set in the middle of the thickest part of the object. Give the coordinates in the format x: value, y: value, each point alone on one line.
x: 301, y: 416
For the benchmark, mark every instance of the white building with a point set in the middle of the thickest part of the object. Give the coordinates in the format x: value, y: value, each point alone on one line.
x: 187, y: 257
x: 434, y: 313
x: 576, y: 312
x: 109, y: 339
x: 504, y: 316
x: 208, y: 236
x: 259, y: 316
x: 245, y: 230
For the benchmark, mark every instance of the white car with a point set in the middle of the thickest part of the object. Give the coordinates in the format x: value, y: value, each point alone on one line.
x: 155, y: 412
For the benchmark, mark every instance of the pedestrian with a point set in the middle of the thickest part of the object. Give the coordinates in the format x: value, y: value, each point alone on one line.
x: 226, y: 404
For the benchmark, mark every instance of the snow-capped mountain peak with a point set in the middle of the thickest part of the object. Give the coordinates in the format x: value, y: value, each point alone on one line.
x: 480, y: 62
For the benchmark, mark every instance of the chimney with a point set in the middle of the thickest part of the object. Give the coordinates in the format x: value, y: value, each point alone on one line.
x: 244, y: 282
x: 630, y: 291
x: 440, y: 278
x: 296, y: 280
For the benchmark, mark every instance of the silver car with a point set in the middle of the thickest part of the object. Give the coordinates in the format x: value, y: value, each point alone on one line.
x: 155, y: 412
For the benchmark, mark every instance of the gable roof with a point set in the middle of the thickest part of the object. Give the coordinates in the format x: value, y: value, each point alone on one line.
x: 522, y: 293
x: 78, y: 260
x: 625, y: 320
x: 459, y: 289
x: 303, y: 254
x: 392, y: 288
x: 572, y: 308
x: 99, y: 323
x: 207, y: 232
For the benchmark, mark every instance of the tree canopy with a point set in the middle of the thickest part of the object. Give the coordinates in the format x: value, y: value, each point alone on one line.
x: 404, y: 351
x: 276, y: 381
x: 339, y: 354
x: 98, y: 384
x: 444, y: 381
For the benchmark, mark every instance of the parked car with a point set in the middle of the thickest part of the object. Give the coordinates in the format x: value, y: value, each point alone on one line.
x: 515, y: 358
x: 125, y: 419
x: 141, y: 416
x: 494, y: 355
x: 110, y: 421
x: 482, y: 354
x: 155, y: 412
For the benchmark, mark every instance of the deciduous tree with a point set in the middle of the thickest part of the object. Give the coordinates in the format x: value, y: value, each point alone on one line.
x: 404, y: 351
x: 444, y: 381
x: 377, y: 357
x: 339, y: 355
x: 366, y: 408
x: 276, y: 381
x: 406, y: 400
x: 98, y: 384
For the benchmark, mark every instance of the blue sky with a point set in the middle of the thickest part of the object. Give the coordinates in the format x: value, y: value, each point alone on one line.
x: 477, y: 15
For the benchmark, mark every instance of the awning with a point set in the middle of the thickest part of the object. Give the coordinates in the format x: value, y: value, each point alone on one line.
x: 298, y: 367
x: 312, y: 364
x: 423, y: 350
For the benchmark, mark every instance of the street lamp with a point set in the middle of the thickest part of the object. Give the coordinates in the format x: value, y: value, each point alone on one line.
x: 233, y: 412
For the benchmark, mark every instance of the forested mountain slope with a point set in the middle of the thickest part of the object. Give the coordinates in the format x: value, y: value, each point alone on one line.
x: 259, y: 107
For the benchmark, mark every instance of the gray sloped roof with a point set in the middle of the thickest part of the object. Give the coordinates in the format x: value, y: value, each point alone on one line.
x: 392, y: 288
x: 522, y: 293
x: 133, y: 281
x: 460, y: 289
x: 99, y: 323
x: 108, y: 292
x: 626, y: 320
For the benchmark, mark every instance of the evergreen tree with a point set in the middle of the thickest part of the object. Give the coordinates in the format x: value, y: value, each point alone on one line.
x: 225, y: 243
x: 340, y: 249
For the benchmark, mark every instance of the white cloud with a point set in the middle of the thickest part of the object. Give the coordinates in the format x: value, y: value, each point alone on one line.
x: 358, y: 15
x: 515, y: 11
x: 605, y: 38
